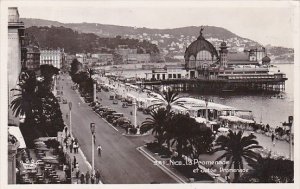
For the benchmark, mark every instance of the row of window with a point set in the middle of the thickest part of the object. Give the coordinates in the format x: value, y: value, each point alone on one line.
x: 163, y: 76
x: 251, y: 77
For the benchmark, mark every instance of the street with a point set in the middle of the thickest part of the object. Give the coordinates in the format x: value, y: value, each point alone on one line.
x: 120, y: 162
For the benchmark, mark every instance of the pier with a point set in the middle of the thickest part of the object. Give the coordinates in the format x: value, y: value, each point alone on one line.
x: 268, y: 85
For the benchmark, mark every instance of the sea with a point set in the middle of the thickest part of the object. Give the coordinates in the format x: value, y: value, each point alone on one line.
x: 265, y: 108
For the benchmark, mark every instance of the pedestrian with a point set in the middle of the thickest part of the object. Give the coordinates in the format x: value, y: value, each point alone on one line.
x: 272, y: 137
x: 75, y: 147
x: 82, y: 178
x: 74, y: 162
x: 93, y: 179
x: 77, y: 174
x: 97, y: 175
x: 227, y: 178
x: 71, y: 147
x: 87, y: 177
x: 99, y: 149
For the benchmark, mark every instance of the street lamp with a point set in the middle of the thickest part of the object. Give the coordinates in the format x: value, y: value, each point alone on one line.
x: 70, y: 117
x: 94, y: 90
x: 291, y: 120
x: 206, y: 113
x: 92, y: 126
x: 134, y: 116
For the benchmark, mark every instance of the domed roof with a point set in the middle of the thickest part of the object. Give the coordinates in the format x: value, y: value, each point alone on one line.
x: 199, y: 45
x: 223, y: 44
x: 266, y: 59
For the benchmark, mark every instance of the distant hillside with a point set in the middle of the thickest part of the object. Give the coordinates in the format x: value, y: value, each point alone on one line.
x: 74, y: 42
x: 171, y: 42
x: 114, y: 30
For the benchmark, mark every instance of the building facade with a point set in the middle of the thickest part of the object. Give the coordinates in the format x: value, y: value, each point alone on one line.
x: 32, y: 58
x: 14, y: 66
x: 52, y: 57
x: 15, y: 44
x: 203, y: 61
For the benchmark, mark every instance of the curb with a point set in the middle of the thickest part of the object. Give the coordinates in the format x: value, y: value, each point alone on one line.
x: 86, y: 161
x: 162, y: 167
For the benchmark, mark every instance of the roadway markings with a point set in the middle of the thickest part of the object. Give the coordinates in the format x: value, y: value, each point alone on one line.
x: 162, y: 167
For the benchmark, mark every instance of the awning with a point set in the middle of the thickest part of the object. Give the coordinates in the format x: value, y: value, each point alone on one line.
x: 15, y: 131
x: 200, y: 120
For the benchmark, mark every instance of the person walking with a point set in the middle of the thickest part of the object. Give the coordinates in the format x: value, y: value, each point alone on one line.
x: 272, y: 137
x: 74, y: 162
x: 87, y: 177
x: 71, y: 147
x: 99, y: 149
x: 82, y: 180
x: 93, y: 179
x: 97, y: 175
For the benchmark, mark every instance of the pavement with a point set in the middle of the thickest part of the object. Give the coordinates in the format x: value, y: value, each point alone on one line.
x: 120, y: 162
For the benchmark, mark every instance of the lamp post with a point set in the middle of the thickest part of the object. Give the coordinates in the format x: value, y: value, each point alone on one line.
x: 134, y: 116
x: 291, y: 119
x: 92, y: 126
x: 70, y: 117
x: 94, y: 90
x: 206, y: 110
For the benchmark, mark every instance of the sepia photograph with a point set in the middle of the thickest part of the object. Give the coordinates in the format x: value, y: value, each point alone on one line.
x: 132, y: 92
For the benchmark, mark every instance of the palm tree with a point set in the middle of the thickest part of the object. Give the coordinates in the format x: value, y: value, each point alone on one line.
x: 238, y: 148
x: 91, y: 72
x: 157, y: 121
x: 26, y: 98
x: 268, y: 170
x: 168, y: 98
x: 180, y: 132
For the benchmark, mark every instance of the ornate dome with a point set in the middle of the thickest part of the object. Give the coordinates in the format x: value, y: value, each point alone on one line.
x: 266, y: 59
x: 223, y: 44
x: 199, y: 45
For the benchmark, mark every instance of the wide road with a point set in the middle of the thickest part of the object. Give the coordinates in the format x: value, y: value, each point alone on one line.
x: 120, y: 162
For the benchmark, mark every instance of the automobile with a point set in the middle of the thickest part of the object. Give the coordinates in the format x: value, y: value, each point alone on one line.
x: 146, y: 111
x: 111, y: 97
x: 58, y: 98
x: 108, y: 112
x: 124, y: 105
x: 115, y: 101
x: 100, y: 110
x: 97, y: 106
x: 113, y: 116
x: 65, y: 101
x: 120, y: 121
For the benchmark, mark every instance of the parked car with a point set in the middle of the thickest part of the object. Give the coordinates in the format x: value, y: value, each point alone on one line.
x: 124, y: 105
x: 146, y: 111
x: 65, y: 101
x: 109, y: 112
x: 114, y: 116
x: 115, y: 101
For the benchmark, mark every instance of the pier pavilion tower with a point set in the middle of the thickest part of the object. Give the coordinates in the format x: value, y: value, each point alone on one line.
x: 223, y: 55
x: 199, y: 56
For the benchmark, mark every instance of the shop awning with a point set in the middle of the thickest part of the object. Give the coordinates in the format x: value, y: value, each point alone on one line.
x: 15, y: 131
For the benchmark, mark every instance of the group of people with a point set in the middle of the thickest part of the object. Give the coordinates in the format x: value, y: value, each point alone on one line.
x: 72, y: 144
x: 88, y: 178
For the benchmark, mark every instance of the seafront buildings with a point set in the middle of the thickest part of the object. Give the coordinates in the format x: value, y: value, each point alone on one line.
x: 52, y: 57
x: 15, y: 41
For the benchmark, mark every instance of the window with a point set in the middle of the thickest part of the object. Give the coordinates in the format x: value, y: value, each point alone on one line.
x: 179, y: 76
x: 170, y: 76
x: 204, y: 55
x: 174, y: 76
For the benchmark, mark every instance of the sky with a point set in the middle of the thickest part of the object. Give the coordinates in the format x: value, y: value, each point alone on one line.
x: 265, y: 23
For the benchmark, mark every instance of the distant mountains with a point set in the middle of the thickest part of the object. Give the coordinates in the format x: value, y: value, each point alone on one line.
x: 104, y: 30
x: 171, y: 42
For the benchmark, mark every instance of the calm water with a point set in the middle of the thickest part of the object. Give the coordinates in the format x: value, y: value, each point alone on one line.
x: 266, y: 109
